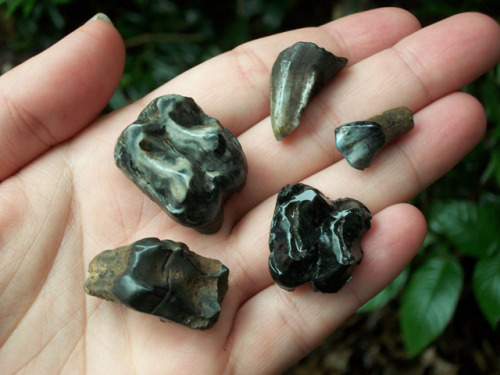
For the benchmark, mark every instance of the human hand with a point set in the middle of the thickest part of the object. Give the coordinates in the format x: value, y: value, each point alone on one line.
x: 62, y: 200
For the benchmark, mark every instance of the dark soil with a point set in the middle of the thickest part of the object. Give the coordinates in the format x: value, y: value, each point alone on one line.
x: 372, y: 344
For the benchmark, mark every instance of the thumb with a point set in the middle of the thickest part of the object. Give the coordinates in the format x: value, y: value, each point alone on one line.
x: 55, y: 94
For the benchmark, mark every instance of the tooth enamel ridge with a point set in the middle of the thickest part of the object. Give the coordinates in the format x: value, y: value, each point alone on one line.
x: 183, y: 160
x: 162, y: 278
x: 314, y: 239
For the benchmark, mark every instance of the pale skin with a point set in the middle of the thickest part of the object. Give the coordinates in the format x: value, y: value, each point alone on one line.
x: 62, y: 200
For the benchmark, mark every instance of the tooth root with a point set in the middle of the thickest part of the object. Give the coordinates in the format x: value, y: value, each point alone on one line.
x: 360, y: 141
x: 299, y: 73
x: 394, y: 122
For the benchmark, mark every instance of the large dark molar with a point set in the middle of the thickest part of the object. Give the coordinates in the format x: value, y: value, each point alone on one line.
x: 315, y: 239
x: 162, y: 278
x: 299, y: 73
x: 183, y: 160
x: 360, y: 141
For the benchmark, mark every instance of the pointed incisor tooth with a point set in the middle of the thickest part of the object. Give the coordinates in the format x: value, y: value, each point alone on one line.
x: 299, y: 73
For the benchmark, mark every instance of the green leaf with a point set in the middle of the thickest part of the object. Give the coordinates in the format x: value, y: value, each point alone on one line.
x: 429, y: 302
x: 387, y: 294
x: 118, y: 100
x: 493, y: 168
x: 490, y: 96
x: 12, y: 7
x: 469, y: 226
x: 28, y: 7
x: 486, y: 285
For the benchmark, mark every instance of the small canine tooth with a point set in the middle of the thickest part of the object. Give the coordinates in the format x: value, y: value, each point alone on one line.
x: 360, y: 141
x: 299, y: 73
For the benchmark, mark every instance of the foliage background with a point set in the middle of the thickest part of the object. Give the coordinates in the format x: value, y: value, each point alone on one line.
x: 460, y: 259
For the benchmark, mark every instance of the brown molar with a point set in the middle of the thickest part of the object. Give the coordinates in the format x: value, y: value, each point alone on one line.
x: 360, y: 141
x: 162, y: 278
x: 299, y: 73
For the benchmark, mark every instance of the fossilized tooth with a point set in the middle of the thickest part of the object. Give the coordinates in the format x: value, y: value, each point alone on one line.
x: 162, y: 278
x: 184, y: 160
x: 315, y: 239
x: 360, y: 141
x: 299, y: 73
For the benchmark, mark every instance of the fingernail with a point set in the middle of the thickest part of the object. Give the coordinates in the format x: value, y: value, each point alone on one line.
x: 101, y: 16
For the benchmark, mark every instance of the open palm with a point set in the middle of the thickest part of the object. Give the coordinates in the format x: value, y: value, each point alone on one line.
x: 62, y: 200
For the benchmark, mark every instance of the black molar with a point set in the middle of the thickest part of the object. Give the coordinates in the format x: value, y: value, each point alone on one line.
x: 315, y: 239
x: 184, y: 160
x: 162, y: 278
x: 299, y: 73
x: 360, y: 141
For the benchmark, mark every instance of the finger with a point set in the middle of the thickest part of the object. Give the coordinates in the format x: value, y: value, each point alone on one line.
x: 234, y: 87
x: 54, y: 95
x: 284, y: 326
x: 420, y: 69
x: 447, y: 130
